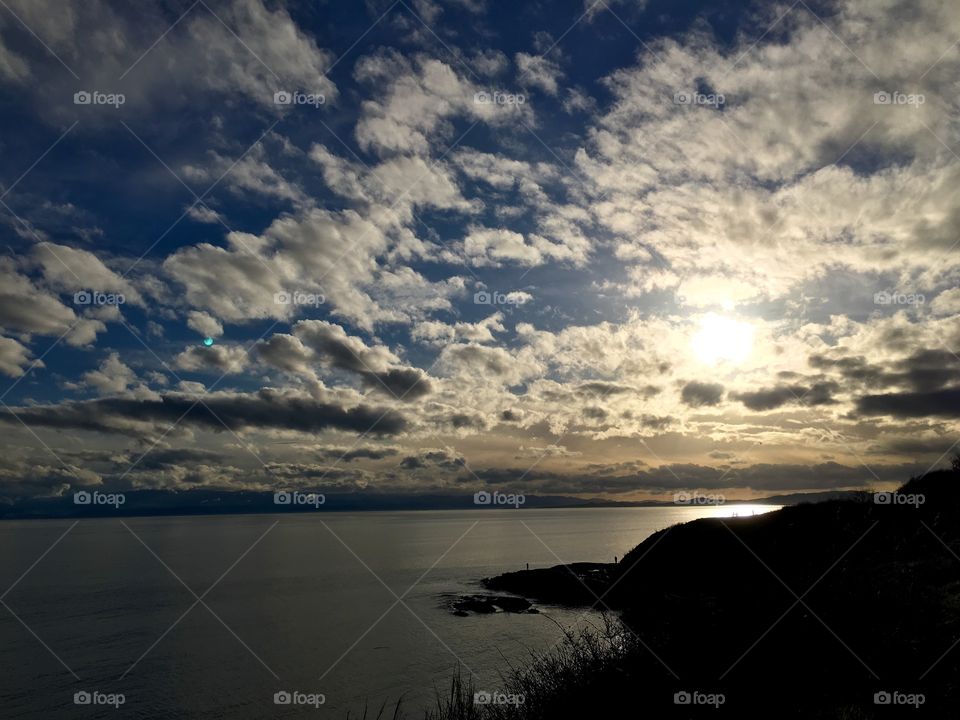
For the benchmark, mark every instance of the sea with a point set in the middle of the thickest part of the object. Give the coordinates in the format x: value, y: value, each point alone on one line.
x: 306, y: 615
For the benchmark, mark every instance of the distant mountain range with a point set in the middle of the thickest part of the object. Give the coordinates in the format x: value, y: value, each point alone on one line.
x: 210, y: 502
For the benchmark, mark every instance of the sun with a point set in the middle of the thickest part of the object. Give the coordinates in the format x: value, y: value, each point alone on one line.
x: 722, y: 339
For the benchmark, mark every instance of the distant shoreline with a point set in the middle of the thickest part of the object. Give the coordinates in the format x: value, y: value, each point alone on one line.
x: 151, y: 503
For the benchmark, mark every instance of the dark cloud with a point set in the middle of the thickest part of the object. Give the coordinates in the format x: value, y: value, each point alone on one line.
x: 168, y: 457
x: 938, y: 403
x: 598, y: 389
x: 928, y: 370
x: 444, y: 459
x: 923, y: 371
x: 721, y: 455
x: 655, y: 421
x: 286, y: 353
x: 699, y: 394
x: 925, y: 447
x: 762, y: 477
x: 349, y: 455
x: 462, y: 420
x: 266, y: 409
x: 335, y: 347
x: 405, y: 383
x: 820, y: 393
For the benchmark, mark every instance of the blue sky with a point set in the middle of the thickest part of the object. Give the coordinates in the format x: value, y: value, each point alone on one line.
x: 613, y: 248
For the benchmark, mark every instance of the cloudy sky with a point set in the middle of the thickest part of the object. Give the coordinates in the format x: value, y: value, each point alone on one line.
x: 617, y: 248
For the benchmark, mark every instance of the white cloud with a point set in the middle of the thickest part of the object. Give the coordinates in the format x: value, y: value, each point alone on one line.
x: 203, y: 214
x: 415, y: 102
x: 219, y: 359
x: 540, y: 72
x: 70, y: 269
x: 204, y: 323
x: 489, y: 246
x: 114, y: 377
x: 28, y: 309
x: 247, y: 50
x: 14, y: 358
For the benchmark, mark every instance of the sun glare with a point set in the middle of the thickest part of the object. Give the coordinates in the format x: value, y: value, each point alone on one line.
x: 722, y: 339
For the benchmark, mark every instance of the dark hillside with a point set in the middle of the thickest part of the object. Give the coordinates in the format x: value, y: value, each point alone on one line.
x: 810, y: 610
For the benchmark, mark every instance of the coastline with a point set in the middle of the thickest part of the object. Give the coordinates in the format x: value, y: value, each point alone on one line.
x: 823, y: 610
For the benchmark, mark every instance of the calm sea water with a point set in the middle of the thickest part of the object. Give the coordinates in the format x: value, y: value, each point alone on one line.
x: 312, y: 607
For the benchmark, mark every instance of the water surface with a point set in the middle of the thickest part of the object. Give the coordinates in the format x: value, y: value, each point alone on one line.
x: 313, y: 606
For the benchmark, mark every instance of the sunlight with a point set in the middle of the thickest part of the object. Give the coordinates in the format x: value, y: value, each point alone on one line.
x: 722, y: 339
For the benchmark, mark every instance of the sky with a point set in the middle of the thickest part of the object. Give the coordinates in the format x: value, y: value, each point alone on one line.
x: 607, y: 248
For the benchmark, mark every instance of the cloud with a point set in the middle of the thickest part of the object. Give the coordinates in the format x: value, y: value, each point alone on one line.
x: 540, y: 72
x: 114, y: 377
x: 799, y: 149
x: 415, y: 101
x: 26, y: 308
x: 358, y: 453
x: 374, y: 365
x: 241, y: 282
x: 440, y: 459
x: 938, y: 403
x: 69, y: 269
x: 435, y: 332
x: 14, y: 358
x: 924, y: 369
x: 205, y: 324
x: 245, y: 49
x: 250, y: 174
x: 488, y: 246
x: 266, y: 409
x: 764, y: 478
x: 215, y: 358
x: 286, y: 353
x: 203, y: 214
x: 698, y: 394
x: 482, y: 364
x: 820, y: 393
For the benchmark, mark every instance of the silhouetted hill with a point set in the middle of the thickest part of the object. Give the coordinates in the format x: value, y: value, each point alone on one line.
x: 807, y: 612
